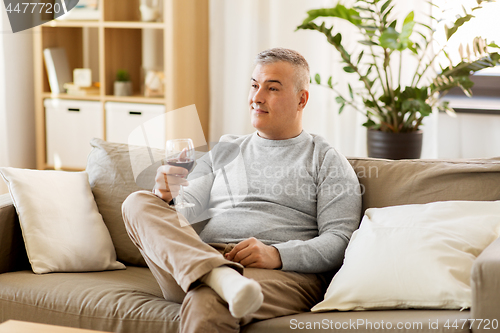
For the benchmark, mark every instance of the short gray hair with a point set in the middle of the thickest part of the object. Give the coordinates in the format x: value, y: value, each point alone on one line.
x: 277, y: 54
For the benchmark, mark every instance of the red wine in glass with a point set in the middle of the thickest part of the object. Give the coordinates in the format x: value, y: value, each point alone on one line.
x: 186, y: 163
x: 180, y: 153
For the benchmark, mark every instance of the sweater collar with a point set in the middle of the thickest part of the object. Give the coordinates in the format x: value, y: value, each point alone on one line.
x: 280, y: 143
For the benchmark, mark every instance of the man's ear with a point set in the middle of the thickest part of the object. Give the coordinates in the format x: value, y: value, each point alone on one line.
x: 303, y: 98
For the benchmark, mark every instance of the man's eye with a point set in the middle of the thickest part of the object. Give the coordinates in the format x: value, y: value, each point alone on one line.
x: 254, y: 86
x: 273, y: 89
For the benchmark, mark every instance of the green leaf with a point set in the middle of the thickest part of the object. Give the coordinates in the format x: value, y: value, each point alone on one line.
x: 385, y: 5
x: 359, y: 57
x: 369, y: 27
x: 364, y: 9
x: 458, y: 23
x: 339, y: 11
x: 341, y: 108
x: 351, y: 93
x: 369, y: 103
x: 317, y: 78
x: 361, y: 18
x: 367, y: 42
x: 407, y: 30
x: 369, y: 70
x: 442, y: 84
x: 334, y: 40
x: 468, y: 67
x: 340, y: 99
x: 349, y: 69
x: 393, y: 24
x: 370, y: 124
x: 413, y: 48
x: 424, y: 37
x: 389, y: 39
x: 424, y: 25
x: 432, y: 4
x: 492, y: 44
x: 330, y: 82
x: 384, y: 18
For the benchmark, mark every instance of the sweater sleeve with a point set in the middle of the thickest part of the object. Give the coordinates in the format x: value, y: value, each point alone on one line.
x: 338, y: 196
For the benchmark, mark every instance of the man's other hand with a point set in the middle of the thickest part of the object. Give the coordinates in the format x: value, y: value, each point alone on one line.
x: 167, y: 181
x: 253, y: 253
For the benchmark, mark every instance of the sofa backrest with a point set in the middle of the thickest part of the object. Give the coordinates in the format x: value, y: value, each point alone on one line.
x: 390, y: 183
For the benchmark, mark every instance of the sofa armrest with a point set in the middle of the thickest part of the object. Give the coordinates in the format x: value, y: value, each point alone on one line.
x: 485, y: 283
x: 12, y: 251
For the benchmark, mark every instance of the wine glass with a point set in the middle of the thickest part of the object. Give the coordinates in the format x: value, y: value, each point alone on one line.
x: 180, y: 153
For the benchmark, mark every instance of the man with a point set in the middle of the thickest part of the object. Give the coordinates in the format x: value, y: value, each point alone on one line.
x: 270, y: 242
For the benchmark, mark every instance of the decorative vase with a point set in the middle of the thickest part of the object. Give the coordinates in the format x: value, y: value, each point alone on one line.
x: 394, y: 146
x: 123, y: 88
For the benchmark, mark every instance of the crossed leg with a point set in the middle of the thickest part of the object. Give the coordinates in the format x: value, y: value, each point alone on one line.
x: 178, y: 258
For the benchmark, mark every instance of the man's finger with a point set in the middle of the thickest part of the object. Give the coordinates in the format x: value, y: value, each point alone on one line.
x: 164, y: 195
x: 174, y: 180
x: 242, y: 254
x: 173, y: 170
x: 250, y: 261
x: 241, y: 245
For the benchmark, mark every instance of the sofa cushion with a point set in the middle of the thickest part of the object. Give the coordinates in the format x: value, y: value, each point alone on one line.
x: 112, y: 179
x: 390, y: 183
x: 414, y: 256
x: 115, y: 301
x: 61, y: 226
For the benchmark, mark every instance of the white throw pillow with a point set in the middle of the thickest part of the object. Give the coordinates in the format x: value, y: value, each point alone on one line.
x: 413, y: 256
x: 61, y: 226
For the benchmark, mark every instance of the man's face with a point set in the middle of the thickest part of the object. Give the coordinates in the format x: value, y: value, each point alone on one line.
x: 275, y: 105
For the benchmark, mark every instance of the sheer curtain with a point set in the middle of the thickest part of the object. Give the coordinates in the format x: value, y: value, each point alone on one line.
x: 17, y: 116
x: 241, y: 29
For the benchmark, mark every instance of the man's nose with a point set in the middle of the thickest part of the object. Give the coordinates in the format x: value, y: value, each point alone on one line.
x: 258, y: 96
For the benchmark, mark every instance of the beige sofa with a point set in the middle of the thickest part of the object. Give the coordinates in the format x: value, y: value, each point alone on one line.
x: 131, y: 301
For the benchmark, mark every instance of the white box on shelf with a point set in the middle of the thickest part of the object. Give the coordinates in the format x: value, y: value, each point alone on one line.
x: 136, y: 124
x: 70, y: 125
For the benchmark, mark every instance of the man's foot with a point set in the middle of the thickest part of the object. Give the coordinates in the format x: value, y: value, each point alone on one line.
x: 243, y: 295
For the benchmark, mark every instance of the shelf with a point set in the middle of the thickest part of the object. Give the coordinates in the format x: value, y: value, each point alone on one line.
x: 75, y: 24
x: 66, y: 96
x: 134, y: 99
x: 109, y: 98
x: 134, y: 25
x: 109, y: 24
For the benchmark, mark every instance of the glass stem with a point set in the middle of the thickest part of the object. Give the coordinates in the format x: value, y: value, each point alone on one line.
x: 181, y: 194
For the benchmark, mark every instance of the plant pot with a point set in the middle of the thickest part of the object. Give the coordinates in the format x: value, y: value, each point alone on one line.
x: 123, y: 88
x: 394, y: 146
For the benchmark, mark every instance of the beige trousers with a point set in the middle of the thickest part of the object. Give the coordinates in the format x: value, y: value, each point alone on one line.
x: 178, y: 257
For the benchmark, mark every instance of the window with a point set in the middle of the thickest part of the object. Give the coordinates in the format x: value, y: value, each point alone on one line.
x: 486, y: 23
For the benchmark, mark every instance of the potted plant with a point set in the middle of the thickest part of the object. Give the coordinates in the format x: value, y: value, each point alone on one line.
x: 123, y: 85
x: 395, y: 111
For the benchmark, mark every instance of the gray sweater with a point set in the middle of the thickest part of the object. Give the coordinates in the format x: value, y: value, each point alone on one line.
x: 298, y: 195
